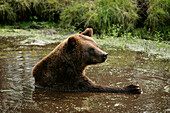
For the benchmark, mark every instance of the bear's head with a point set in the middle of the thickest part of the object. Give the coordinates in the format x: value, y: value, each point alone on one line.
x: 84, y: 49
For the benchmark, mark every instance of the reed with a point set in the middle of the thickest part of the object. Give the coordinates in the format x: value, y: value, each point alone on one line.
x: 13, y: 11
x: 7, y: 14
x: 98, y: 14
x: 158, y: 14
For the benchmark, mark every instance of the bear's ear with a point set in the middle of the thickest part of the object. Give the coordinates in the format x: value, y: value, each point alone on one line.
x: 71, y: 42
x: 88, y: 32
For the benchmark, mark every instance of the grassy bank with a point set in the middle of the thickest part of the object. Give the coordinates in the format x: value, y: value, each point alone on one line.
x: 31, y: 37
x: 148, y: 19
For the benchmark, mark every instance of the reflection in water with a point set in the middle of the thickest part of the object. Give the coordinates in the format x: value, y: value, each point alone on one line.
x: 49, y: 101
x: 3, y: 85
x: 17, y: 93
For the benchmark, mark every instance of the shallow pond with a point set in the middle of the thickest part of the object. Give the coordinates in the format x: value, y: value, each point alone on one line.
x: 17, y: 92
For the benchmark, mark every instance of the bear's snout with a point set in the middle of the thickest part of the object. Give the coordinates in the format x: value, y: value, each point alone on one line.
x: 105, y: 56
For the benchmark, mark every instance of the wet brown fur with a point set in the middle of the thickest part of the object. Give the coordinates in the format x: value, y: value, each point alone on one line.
x: 88, y: 32
x: 64, y: 68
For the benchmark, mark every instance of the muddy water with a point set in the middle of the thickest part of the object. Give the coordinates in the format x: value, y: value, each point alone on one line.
x: 17, y: 92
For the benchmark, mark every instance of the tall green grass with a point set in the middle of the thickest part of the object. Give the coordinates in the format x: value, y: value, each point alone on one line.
x: 7, y: 14
x: 101, y: 15
x: 12, y: 11
x: 158, y: 14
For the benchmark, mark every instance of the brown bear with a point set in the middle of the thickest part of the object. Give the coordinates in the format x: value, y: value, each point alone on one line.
x: 63, y: 69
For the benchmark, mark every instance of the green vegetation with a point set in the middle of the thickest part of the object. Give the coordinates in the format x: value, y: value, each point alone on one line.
x: 11, y: 38
x: 148, y: 19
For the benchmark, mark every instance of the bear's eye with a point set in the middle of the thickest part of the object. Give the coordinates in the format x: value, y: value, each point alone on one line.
x: 91, y: 50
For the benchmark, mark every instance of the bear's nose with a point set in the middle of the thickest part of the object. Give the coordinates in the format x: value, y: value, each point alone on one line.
x: 105, y: 56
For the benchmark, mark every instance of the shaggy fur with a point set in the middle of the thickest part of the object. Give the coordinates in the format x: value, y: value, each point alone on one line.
x: 64, y: 68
